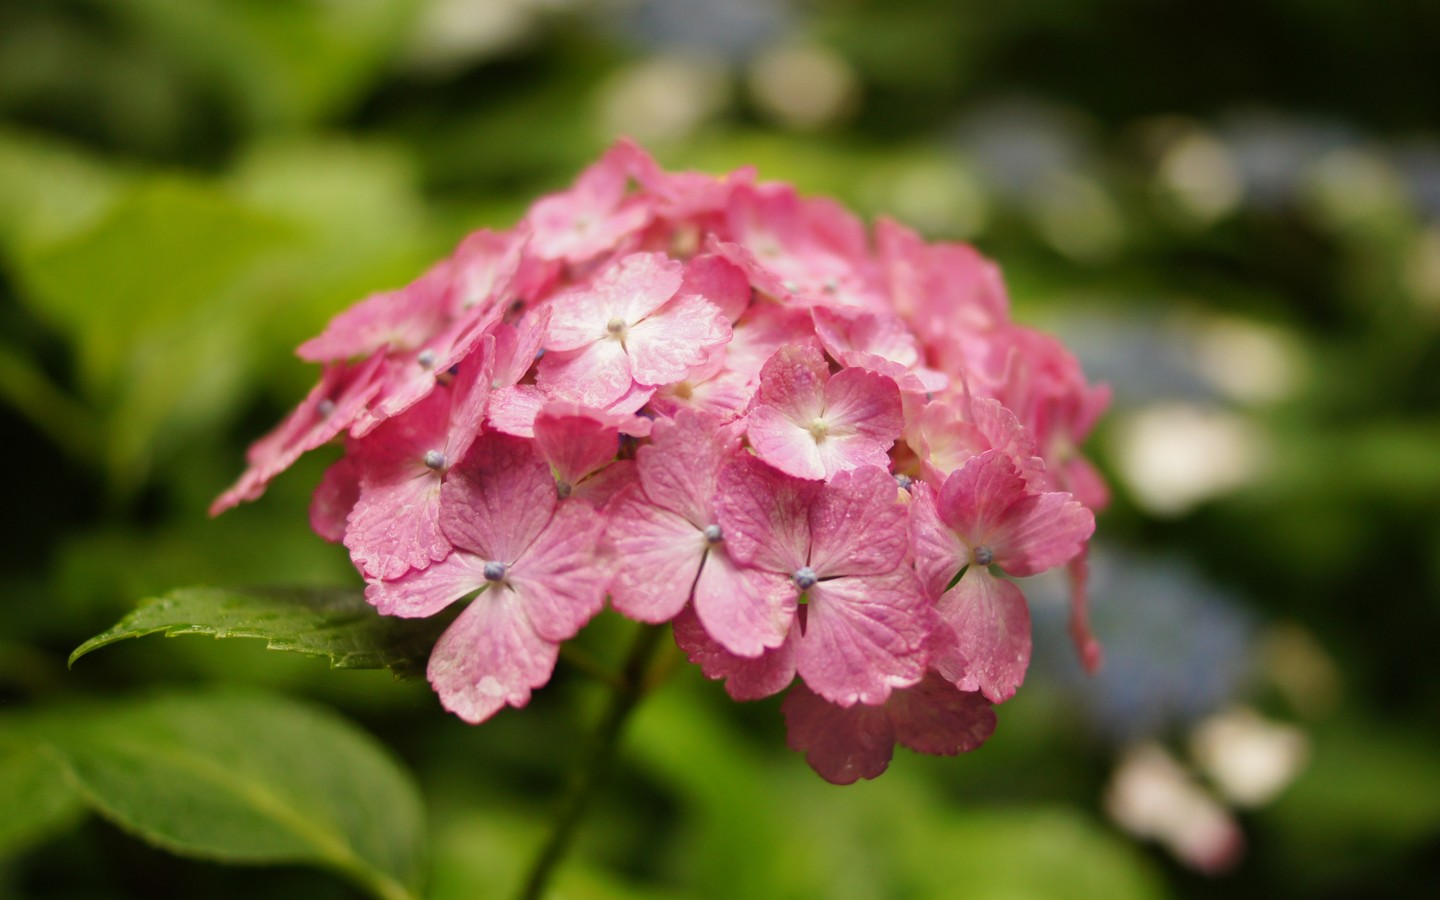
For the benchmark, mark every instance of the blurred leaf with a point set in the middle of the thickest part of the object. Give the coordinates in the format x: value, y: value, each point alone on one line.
x: 284, y: 63
x: 168, y: 248
x: 246, y: 778
x: 151, y: 296
x: 331, y: 622
x: 37, y: 799
x: 49, y: 189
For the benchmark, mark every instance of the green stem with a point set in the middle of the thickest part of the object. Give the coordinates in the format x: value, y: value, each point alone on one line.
x: 627, y: 691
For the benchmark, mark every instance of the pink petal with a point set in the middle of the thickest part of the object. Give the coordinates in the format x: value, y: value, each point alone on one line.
x: 745, y: 678
x: 490, y: 657
x: 498, y: 500
x: 746, y: 611
x: 657, y: 556
x: 424, y: 592
x: 560, y: 576
x: 470, y: 395
x: 401, y: 320
x: 782, y: 443
x: 666, y: 345
x: 513, y: 409
x: 596, y: 375
x: 335, y: 496
x: 395, y: 526
x: 601, y: 488
x: 575, y: 440
x: 991, y: 623
x: 1087, y: 646
x: 680, y: 468
x: 764, y: 515
x: 857, y: 527
x: 974, y: 500
x: 719, y: 281
x: 1040, y: 532
x: 864, y: 637
x: 842, y: 744
x: 939, y: 553
x: 329, y: 408
x: 516, y: 348
x: 934, y: 717
x: 793, y: 381
x: 866, y: 403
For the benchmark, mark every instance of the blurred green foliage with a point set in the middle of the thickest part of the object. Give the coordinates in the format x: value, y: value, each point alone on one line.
x: 188, y: 189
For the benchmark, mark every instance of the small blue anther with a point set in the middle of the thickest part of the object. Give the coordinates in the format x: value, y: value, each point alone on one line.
x: 494, y: 571
x: 426, y: 359
x: 905, y: 481
x: 325, y: 408
x: 434, y: 459
x: 713, y: 534
x: 804, y: 578
x: 983, y: 555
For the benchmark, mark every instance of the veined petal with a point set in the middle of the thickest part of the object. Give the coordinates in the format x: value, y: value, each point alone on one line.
x: 665, y: 346
x: 560, y: 576
x: 657, y: 556
x: 746, y: 611
x: 782, y: 443
x: 842, y: 744
x: 595, y: 375
x: 490, y: 657
x: 856, y: 525
x: 680, y: 468
x: 424, y: 592
x: 395, y: 526
x: 497, y: 501
x: 1040, y: 532
x: 939, y: 553
x: 764, y: 515
x: 991, y: 623
x: 936, y: 718
x: 974, y: 500
x: 865, y: 403
x: 745, y: 678
x: 575, y: 440
x: 864, y: 637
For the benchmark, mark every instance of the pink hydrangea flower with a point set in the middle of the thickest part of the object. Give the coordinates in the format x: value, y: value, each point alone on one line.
x: 810, y: 424
x: 841, y: 543
x: 812, y: 447
x: 985, y: 516
x: 629, y: 330
x: 536, y: 561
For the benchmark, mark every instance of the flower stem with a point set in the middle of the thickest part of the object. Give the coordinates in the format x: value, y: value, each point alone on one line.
x: 627, y: 692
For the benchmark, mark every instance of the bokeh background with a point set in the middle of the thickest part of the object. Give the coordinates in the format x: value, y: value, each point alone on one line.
x: 1230, y: 210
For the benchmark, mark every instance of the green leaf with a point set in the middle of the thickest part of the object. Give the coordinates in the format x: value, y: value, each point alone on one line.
x: 36, y: 795
x: 247, y: 778
x: 333, y: 622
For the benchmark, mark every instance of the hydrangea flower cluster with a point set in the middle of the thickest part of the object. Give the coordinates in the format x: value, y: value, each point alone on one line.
x: 820, y: 451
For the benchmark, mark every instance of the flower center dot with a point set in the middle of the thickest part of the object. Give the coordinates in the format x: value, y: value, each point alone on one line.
x: 434, y: 459
x: 712, y: 534
x: 984, y: 556
x: 494, y: 571
x: 804, y: 578
x: 819, y: 429
x: 426, y: 359
x: 616, y: 327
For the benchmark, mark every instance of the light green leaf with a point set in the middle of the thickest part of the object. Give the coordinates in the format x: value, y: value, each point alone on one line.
x: 35, y: 794
x: 247, y: 778
x: 333, y: 622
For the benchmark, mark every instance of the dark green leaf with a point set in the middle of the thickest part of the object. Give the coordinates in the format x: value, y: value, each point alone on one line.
x: 333, y: 622
x: 247, y: 778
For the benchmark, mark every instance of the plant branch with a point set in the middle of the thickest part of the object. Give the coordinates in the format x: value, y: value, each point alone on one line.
x: 627, y: 692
